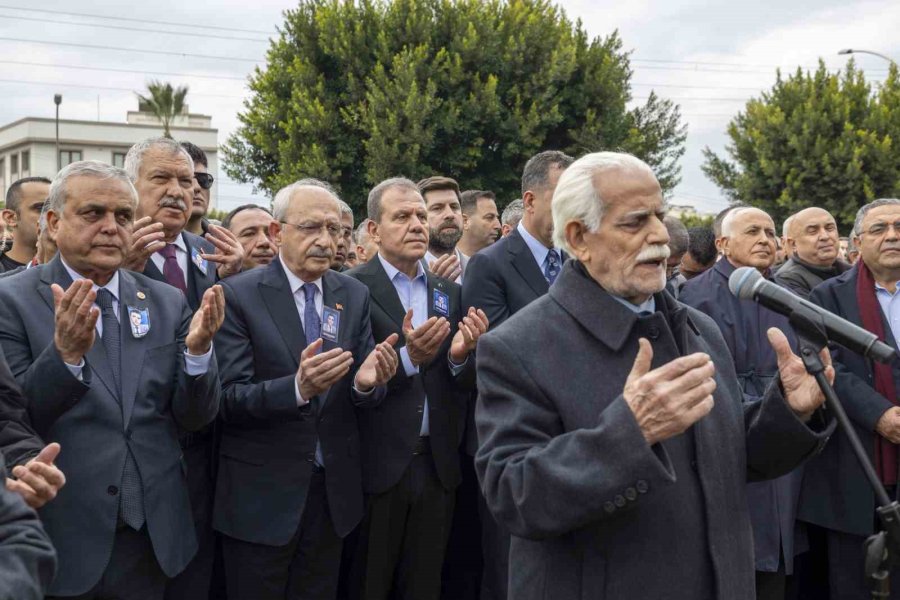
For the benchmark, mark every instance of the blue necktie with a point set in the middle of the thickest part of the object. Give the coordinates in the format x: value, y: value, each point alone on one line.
x: 552, y: 268
x: 312, y: 327
x: 131, y: 498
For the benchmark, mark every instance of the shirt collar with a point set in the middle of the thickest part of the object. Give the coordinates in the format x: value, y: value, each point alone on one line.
x: 429, y: 257
x: 180, y: 244
x: 538, y: 250
x: 112, y: 286
x: 393, y: 271
x: 881, y: 288
x: 295, y: 282
x: 649, y: 305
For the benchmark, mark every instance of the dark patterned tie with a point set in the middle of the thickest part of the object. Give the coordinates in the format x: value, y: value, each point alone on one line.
x: 131, y: 499
x: 312, y: 327
x: 171, y: 271
x: 552, y: 268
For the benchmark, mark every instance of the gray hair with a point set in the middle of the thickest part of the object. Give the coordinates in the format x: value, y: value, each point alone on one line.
x: 577, y: 199
x: 786, y: 226
x: 862, y: 212
x: 678, y: 235
x: 135, y: 155
x: 86, y: 168
x: 42, y: 220
x: 345, y: 209
x: 536, y: 174
x: 362, y: 232
x: 512, y: 214
x: 373, y: 205
x: 283, y: 198
x: 728, y: 221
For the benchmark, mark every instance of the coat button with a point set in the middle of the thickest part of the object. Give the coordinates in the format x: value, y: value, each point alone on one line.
x: 631, y: 494
x: 620, y: 501
x: 641, y: 486
x: 609, y: 507
x: 112, y: 490
x: 653, y: 333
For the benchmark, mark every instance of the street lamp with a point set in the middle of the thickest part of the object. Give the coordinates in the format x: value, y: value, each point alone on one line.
x: 879, y: 55
x: 57, y: 100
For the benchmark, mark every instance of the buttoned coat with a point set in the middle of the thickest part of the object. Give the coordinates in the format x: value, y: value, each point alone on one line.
x: 594, y: 510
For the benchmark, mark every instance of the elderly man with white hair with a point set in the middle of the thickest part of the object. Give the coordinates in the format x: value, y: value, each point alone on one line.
x: 615, y: 442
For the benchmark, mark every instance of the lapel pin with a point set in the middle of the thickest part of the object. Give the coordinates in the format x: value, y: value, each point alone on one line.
x: 339, y: 306
x: 141, y: 296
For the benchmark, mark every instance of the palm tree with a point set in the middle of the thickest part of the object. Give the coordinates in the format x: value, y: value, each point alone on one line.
x: 164, y: 101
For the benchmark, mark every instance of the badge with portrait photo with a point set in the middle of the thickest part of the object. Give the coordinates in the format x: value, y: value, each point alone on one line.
x: 199, y: 260
x: 331, y: 323
x: 139, y: 319
x: 441, y: 303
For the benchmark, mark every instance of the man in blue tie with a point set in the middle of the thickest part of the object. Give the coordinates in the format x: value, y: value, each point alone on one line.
x: 502, y: 279
x: 299, y: 364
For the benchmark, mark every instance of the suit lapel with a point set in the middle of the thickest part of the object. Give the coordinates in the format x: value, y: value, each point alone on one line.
x: 279, y: 301
x: 335, y: 296
x: 152, y: 272
x: 132, y: 348
x: 197, y: 281
x: 382, y: 290
x: 523, y: 261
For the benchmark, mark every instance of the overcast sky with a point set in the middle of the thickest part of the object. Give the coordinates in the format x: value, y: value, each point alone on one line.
x: 710, y: 57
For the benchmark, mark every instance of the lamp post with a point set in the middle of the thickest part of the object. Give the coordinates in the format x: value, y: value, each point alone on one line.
x: 878, y: 54
x: 57, y: 99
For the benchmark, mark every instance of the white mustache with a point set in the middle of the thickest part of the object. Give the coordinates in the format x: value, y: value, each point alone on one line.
x: 172, y: 202
x: 655, y: 252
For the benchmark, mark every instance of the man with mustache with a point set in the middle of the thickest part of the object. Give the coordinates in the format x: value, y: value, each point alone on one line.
x: 481, y: 221
x: 112, y: 395
x: 345, y: 242
x: 614, y: 440
x: 445, y: 223
x: 299, y: 364
x: 163, y: 174
x: 410, y: 444
x: 250, y: 224
x: 748, y: 240
x: 812, y: 237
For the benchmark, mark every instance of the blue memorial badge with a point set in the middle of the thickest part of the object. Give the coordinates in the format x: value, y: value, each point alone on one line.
x: 139, y: 319
x: 331, y: 323
x: 199, y: 260
x: 441, y: 303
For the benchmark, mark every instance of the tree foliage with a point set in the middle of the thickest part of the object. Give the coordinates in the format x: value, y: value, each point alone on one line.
x: 355, y: 92
x: 815, y: 139
x: 165, y: 102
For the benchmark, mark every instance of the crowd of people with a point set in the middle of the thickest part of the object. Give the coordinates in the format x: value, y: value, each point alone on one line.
x: 445, y: 401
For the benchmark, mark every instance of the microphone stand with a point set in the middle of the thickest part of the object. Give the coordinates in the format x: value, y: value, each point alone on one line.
x: 883, y: 548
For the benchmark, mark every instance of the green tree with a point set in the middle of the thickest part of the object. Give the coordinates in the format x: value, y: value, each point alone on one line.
x: 354, y: 92
x: 164, y: 101
x: 814, y: 139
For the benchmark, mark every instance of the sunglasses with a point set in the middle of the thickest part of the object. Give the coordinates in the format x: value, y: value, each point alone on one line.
x: 204, y: 179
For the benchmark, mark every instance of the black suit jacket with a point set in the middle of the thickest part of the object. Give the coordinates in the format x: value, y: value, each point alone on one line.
x: 96, y: 428
x: 197, y: 281
x: 835, y: 492
x: 268, y: 443
x: 390, y: 431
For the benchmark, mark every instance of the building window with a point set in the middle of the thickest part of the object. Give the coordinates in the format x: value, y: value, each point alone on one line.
x: 26, y: 162
x: 119, y: 159
x: 13, y: 166
x: 67, y: 157
x: 2, y: 179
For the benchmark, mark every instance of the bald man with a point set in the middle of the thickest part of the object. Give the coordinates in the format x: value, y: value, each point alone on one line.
x: 812, y: 236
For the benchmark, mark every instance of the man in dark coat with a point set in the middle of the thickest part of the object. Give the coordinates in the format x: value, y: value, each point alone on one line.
x: 812, y: 237
x: 836, y: 493
x: 619, y: 466
x: 748, y: 240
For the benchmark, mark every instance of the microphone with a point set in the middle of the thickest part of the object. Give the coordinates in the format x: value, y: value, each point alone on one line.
x: 748, y: 284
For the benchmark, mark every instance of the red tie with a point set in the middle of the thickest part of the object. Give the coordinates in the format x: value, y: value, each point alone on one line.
x: 171, y: 271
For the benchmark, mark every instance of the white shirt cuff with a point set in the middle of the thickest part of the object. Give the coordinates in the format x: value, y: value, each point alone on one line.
x: 456, y: 368
x: 359, y: 393
x: 76, y: 370
x: 197, y: 365
x: 410, y: 368
x: 300, y: 401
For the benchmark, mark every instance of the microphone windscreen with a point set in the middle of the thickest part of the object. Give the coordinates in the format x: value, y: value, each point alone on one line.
x: 743, y: 281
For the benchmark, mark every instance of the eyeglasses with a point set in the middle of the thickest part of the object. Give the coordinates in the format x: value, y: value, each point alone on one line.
x: 311, y: 229
x: 204, y: 179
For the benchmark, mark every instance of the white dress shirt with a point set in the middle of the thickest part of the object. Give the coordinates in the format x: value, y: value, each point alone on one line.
x: 193, y: 365
x: 538, y: 250
x: 430, y: 258
x: 296, y: 284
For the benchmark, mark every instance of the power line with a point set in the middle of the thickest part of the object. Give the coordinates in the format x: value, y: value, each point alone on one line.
x: 100, y: 87
x: 123, y: 28
x: 695, y: 87
x: 81, y: 67
x: 729, y: 64
x: 133, y: 50
x: 96, y: 16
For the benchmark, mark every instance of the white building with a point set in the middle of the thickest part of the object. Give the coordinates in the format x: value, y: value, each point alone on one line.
x: 28, y: 146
